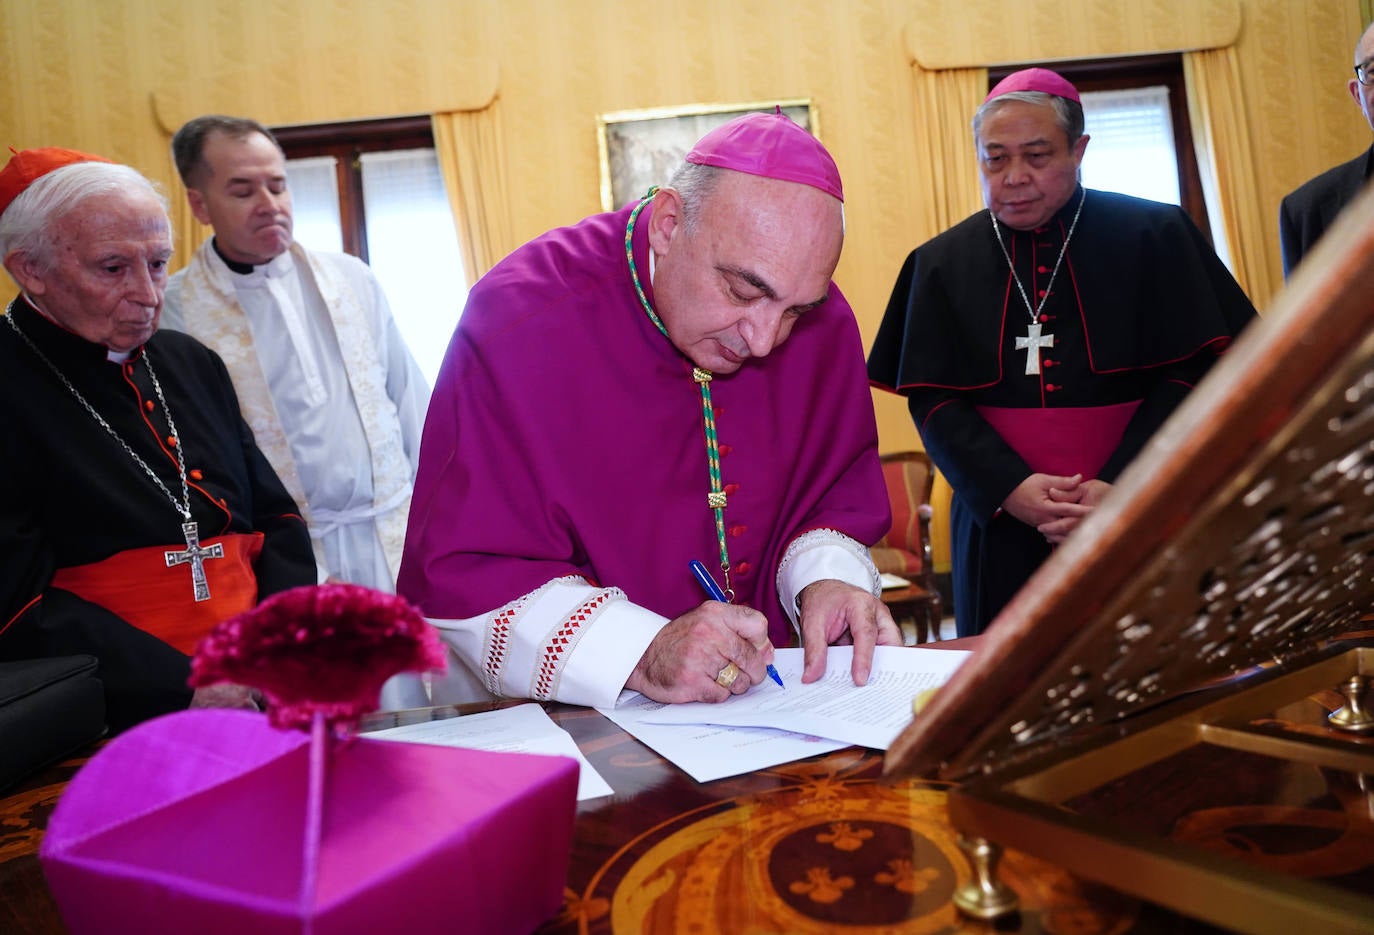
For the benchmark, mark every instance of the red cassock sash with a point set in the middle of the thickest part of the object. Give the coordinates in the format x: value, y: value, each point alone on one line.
x: 1063, y: 442
x: 138, y: 586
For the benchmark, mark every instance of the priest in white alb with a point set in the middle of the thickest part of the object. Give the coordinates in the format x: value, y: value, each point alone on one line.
x: 334, y: 396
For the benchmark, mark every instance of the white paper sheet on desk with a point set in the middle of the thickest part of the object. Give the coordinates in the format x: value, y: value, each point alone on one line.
x: 526, y: 728
x: 706, y: 751
x: 871, y: 715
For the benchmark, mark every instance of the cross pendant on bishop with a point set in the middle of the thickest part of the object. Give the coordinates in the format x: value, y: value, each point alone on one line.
x: 1031, y: 344
x: 196, y: 554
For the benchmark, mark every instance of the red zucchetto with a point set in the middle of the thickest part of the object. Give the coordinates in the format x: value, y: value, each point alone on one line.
x: 30, y: 165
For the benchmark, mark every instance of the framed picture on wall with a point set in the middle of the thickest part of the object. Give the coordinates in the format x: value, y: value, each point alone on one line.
x: 641, y: 148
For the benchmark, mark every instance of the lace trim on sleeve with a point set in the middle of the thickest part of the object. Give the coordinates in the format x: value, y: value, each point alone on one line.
x: 500, y: 631
x: 827, y: 538
x: 554, y: 651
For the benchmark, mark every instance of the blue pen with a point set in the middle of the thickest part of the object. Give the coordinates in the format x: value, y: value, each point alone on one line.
x: 709, y: 585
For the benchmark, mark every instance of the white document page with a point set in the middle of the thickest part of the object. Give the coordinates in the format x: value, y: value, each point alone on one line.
x: 705, y: 751
x: 526, y: 728
x: 834, y: 707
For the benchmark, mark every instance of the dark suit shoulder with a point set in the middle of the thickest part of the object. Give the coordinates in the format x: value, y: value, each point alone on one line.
x: 1346, y: 177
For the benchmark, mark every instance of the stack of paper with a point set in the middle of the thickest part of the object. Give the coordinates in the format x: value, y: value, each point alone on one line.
x: 768, y: 725
x: 525, y: 728
x: 763, y: 727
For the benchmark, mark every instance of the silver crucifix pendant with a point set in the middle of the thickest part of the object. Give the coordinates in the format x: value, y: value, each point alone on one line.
x: 1031, y: 344
x: 196, y: 555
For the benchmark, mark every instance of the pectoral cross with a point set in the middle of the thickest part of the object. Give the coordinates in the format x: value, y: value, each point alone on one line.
x: 1031, y: 344
x: 196, y: 555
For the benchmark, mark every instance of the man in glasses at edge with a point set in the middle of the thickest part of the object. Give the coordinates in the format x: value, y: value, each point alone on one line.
x: 1305, y: 214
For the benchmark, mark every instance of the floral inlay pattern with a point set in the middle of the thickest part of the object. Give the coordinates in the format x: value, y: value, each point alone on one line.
x: 903, y: 875
x: 844, y: 836
x: 820, y: 887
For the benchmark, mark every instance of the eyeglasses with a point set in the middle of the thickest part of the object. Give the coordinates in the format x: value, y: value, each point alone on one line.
x: 1363, y: 73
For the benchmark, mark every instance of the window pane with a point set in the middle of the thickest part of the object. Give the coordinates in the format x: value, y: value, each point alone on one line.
x: 413, y: 248
x: 1132, y: 146
x: 315, y: 203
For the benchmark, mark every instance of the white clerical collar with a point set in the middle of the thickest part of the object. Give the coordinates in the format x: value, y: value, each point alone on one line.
x: 116, y: 357
x: 275, y: 268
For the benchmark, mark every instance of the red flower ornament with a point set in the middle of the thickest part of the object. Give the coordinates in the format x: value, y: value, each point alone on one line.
x: 322, y: 649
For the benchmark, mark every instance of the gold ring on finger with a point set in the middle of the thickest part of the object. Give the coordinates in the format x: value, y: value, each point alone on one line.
x: 726, y: 676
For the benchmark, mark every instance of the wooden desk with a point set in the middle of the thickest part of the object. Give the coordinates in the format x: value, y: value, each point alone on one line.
x: 797, y: 848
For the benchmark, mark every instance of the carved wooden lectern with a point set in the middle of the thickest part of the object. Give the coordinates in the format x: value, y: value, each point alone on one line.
x: 1198, y: 607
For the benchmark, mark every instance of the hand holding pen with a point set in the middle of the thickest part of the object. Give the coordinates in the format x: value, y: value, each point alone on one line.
x: 708, y: 584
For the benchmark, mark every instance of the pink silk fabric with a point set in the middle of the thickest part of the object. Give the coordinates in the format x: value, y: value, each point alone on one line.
x: 1062, y: 441
x: 194, y: 822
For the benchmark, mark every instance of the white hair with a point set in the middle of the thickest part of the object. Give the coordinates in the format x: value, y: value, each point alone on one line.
x: 695, y: 183
x: 27, y: 224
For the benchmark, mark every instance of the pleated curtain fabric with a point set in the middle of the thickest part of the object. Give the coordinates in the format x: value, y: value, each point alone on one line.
x: 1221, y: 136
x: 472, y: 159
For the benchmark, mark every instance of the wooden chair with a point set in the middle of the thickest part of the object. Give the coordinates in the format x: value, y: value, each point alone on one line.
x: 905, y: 550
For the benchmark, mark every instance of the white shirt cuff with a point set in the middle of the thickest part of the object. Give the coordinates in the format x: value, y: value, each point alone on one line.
x: 565, y: 641
x: 820, y: 554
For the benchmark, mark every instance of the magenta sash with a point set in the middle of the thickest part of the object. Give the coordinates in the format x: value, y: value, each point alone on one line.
x: 1062, y: 442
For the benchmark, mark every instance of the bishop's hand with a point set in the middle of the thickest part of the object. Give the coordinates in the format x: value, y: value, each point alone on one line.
x: 690, y: 658
x: 835, y: 612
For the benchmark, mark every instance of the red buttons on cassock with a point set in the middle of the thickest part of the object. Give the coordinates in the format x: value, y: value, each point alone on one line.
x: 1050, y: 387
x: 737, y: 530
x: 726, y: 449
x: 1044, y: 318
x: 195, y: 474
x: 171, y: 441
x: 741, y: 569
x: 1040, y: 293
x: 1046, y: 362
x: 148, y: 404
x: 1042, y: 269
x: 730, y: 489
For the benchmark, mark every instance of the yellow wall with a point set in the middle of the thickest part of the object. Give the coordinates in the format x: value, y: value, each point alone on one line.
x: 82, y: 73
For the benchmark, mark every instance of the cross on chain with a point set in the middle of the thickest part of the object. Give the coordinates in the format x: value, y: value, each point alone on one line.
x: 1031, y: 344
x: 196, y: 554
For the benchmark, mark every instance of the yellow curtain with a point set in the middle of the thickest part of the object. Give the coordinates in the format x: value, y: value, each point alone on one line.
x: 947, y: 175
x: 473, y: 163
x: 1221, y: 132
x: 945, y: 102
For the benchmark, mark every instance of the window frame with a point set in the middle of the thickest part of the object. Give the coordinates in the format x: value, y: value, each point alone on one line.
x: 347, y: 141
